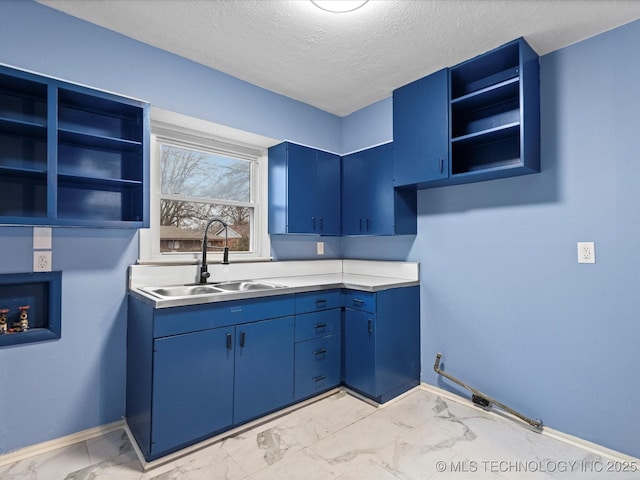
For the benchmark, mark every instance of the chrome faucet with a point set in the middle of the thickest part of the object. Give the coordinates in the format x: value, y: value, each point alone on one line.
x: 204, y: 274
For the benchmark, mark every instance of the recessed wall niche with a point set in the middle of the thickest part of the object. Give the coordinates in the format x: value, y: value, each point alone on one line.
x: 30, y: 307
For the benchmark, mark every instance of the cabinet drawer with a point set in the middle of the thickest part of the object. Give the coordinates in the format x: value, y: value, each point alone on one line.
x: 317, y: 366
x: 172, y: 321
x: 318, y: 324
x: 322, y: 300
x: 358, y: 300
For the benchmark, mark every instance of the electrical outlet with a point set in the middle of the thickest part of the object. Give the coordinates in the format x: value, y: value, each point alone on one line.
x: 586, y: 252
x: 42, y: 261
x: 320, y: 248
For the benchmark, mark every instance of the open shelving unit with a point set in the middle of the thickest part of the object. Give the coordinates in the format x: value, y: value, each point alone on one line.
x: 494, y: 107
x: 70, y: 155
x: 23, y: 147
x: 100, y: 159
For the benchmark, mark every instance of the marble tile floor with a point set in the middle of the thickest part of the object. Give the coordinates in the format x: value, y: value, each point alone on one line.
x: 421, y: 436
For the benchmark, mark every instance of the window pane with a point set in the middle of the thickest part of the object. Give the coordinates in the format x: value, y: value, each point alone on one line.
x: 182, y: 226
x: 193, y: 173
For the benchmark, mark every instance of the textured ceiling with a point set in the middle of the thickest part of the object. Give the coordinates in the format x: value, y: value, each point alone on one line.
x: 341, y: 63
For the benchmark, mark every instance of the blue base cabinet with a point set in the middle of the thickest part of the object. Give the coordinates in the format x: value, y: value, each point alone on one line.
x: 204, y: 384
x: 382, y: 342
x: 196, y: 371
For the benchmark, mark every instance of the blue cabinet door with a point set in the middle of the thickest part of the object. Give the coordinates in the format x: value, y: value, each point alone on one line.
x: 354, y: 193
x: 398, y: 347
x: 360, y: 352
x: 328, y: 193
x: 421, y: 130
x: 302, y: 186
x: 264, y: 367
x: 369, y: 198
x: 192, y: 387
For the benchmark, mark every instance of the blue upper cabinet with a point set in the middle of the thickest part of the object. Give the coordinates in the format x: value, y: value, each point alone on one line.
x: 70, y: 155
x: 493, y: 103
x: 304, y: 190
x: 371, y: 206
x: 421, y: 130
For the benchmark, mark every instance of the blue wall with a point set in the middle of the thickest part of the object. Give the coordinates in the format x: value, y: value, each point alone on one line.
x: 55, y: 388
x: 52, y: 389
x: 503, y: 299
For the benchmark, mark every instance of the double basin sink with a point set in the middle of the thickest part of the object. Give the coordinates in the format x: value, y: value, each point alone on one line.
x: 187, y: 291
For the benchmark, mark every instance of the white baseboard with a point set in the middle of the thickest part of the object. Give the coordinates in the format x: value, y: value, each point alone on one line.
x: 547, y: 431
x: 60, y: 442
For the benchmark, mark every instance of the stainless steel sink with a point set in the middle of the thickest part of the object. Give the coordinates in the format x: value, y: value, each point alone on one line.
x: 246, y: 286
x: 186, y: 291
x: 181, y: 290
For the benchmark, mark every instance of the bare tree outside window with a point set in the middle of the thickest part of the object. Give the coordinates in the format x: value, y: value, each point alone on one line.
x: 197, y: 186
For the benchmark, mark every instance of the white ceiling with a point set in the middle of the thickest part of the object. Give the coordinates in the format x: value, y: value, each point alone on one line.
x: 341, y: 63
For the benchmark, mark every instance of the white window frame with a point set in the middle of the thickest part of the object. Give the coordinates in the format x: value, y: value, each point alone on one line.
x: 179, y: 130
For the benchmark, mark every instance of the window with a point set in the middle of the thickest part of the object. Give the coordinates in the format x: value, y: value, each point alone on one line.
x: 197, y: 176
x: 196, y: 186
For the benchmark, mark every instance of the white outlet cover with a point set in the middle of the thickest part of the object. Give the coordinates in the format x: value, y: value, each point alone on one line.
x: 42, y: 238
x: 586, y: 252
x: 320, y: 248
x: 42, y: 261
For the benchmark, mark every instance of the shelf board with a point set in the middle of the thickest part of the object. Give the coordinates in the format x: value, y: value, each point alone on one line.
x: 23, y: 127
x: 489, y: 92
x: 94, y: 104
x: 461, y: 87
x: 490, y: 169
x: 22, y: 171
x: 98, y: 141
x: 32, y: 335
x: 95, y: 183
x: 489, y: 135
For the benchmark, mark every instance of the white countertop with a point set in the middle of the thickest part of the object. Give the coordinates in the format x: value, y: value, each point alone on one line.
x: 294, y: 277
x: 369, y: 283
